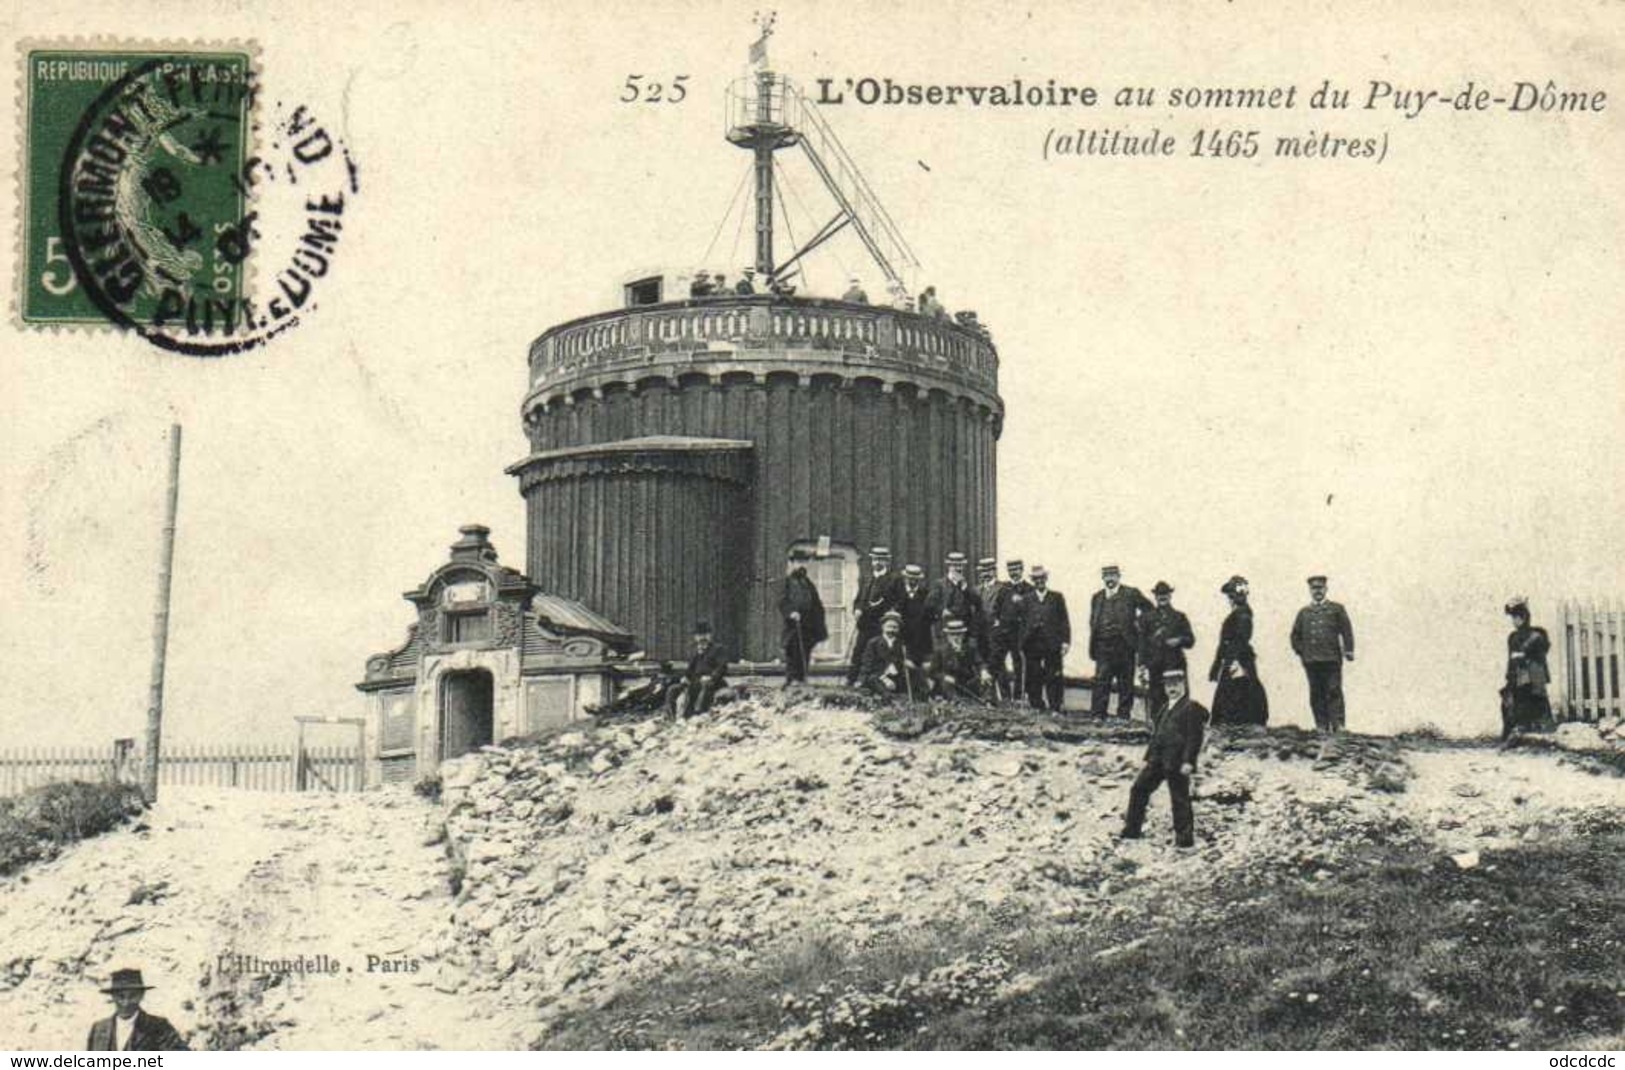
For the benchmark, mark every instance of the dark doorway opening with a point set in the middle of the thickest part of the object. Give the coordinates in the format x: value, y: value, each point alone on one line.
x: 465, y: 712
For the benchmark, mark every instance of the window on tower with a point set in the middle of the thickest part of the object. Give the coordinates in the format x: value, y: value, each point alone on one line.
x: 643, y: 292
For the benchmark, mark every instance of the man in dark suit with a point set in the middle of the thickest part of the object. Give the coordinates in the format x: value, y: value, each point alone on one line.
x: 1046, y: 636
x: 956, y: 670
x: 887, y: 669
x: 1165, y: 635
x: 1005, y: 608
x: 1323, y: 639
x: 953, y: 596
x: 1114, y: 632
x: 876, y: 595
x: 1176, y: 740
x: 802, y: 612
x: 130, y: 1028
x: 914, y: 603
x: 706, y: 672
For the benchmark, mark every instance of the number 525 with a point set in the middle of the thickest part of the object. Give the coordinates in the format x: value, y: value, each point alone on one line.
x: 637, y: 89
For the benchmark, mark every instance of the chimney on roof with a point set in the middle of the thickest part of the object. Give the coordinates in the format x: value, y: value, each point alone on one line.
x: 475, y: 545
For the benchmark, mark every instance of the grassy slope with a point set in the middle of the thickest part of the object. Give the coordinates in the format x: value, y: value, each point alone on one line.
x: 1403, y: 950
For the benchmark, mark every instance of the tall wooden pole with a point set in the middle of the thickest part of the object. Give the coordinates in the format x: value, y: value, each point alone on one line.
x: 160, y: 624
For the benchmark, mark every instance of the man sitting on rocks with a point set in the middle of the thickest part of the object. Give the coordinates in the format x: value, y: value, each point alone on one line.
x: 705, y: 674
x: 956, y: 670
x: 886, y: 668
x: 1176, y: 739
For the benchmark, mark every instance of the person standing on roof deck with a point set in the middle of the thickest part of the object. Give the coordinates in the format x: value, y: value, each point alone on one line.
x: 701, y: 286
x: 746, y: 285
x: 854, y: 294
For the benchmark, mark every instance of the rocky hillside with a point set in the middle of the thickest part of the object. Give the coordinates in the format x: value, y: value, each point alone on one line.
x: 595, y: 863
x: 801, y: 873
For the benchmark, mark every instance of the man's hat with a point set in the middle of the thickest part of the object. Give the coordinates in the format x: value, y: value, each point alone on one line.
x: 955, y: 558
x: 954, y: 626
x: 1039, y: 572
x: 1517, y: 604
x: 126, y: 981
x: 1162, y: 588
x: 1014, y: 562
x: 881, y: 551
x: 1110, y: 569
x: 914, y: 572
x: 1234, y: 584
x: 702, y: 627
x: 1173, y: 674
x: 1317, y: 581
x: 986, y: 564
x: 891, y: 614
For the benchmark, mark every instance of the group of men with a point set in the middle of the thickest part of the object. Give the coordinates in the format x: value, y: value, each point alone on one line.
x: 950, y: 638
x: 705, y: 284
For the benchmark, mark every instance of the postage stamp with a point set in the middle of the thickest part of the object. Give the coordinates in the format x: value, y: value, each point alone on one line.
x: 153, y: 177
x: 133, y: 201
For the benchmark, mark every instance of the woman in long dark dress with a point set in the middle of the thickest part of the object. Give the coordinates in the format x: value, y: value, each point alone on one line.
x: 1524, y: 700
x: 1240, y: 697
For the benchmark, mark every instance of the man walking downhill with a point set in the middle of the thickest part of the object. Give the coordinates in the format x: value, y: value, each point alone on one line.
x: 1176, y: 740
x: 1323, y: 639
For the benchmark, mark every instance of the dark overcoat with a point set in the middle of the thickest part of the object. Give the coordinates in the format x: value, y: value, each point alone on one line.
x: 800, y: 595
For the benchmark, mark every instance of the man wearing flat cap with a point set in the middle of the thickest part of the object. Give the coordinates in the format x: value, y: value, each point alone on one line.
x: 130, y: 1028
x: 1165, y: 635
x: 876, y: 595
x: 1046, y: 636
x: 1114, y: 632
x: 1323, y: 639
x: 1176, y: 740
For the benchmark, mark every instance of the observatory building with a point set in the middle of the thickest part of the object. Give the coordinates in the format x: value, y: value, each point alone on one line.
x: 687, y: 451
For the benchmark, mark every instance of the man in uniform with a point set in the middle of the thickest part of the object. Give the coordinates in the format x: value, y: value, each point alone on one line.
x: 1323, y: 639
x: 1165, y: 635
x: 705, y: 674
x: 1046, y: 636
x: 953, y: 596
x: 956, y: 670
x: 914, y: 603
x: 130, y: 1028
x: 887, y: 670
x: 1004, y: 610
x: 1176, y: 740
x: 1114, y: 632
x: 876, y: 594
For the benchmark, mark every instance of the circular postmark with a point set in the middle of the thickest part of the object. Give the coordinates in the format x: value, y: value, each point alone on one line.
x: 163, y: 206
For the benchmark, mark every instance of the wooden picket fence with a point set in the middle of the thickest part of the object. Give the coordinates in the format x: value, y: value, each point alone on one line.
x: 1588, y: 644
x: 252, y: 767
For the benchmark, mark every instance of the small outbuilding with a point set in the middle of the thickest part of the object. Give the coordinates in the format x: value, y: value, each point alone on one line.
x: 489, y: 657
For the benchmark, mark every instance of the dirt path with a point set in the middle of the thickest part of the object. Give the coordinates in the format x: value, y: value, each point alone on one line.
x: 218, y: 873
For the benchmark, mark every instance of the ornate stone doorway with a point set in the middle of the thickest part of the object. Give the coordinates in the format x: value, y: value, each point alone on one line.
x: 466, y: 721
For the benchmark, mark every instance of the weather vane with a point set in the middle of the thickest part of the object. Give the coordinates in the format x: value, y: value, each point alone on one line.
x: 764, y: 23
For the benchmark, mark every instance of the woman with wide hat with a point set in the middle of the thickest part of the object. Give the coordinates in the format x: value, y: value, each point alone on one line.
x: 1525, y: 703
x: 130, y: 1028
x: 1240, y: 697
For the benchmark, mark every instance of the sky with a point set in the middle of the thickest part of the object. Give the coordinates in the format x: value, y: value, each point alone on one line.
x: 1405, y: 374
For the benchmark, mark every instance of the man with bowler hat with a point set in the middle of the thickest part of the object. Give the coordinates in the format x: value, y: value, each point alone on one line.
x: 1323, y: 639
x: 705, y: 674
x: 1114, y: 632
x: 876, y: 595
x: 1165, y: 635
x: 130, y: 1028
x: 1176, y: 740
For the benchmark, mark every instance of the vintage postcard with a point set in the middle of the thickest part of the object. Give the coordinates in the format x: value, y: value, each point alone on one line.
x: 702, y: 526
